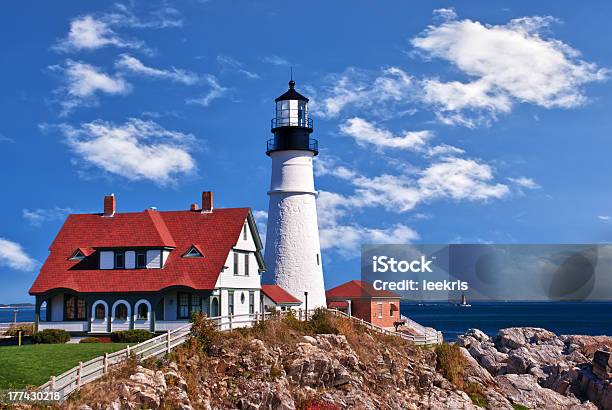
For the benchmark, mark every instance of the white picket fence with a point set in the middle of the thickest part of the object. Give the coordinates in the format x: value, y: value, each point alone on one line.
x: 428, y: 338
x: 86, y: 372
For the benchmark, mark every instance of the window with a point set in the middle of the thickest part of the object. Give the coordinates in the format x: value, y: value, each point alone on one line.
x: 244, y: 232
x: 246, y: 264
x: 183, y: 306
x: 251, y: 302
x: 193, y: 253
x: 242, y: 298
x: 121, y: 311
x: 74, y: 308
x: 100, y: 312
x: 196, y: 303
x: 77, y: 255
x: 230, y: 302
x: 143, y: 312
x: 380, y: 310
x: 318, y: 259
x: 141, y: 259
x: 236, y: 262
x: 119, y: 260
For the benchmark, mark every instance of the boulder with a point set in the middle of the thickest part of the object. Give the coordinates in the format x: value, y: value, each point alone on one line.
x: 523, y: 389
x: 515, y: 337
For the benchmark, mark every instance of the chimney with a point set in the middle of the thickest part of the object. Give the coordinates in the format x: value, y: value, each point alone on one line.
x: 195, y: 207
x: 110, y: 205
x: 207, y: 201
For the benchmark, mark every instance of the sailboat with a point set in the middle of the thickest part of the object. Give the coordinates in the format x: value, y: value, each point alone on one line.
x: 464, y: 302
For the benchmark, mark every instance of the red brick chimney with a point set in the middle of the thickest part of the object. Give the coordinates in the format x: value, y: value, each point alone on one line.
x: 207, y: 201
x: 110, y: 205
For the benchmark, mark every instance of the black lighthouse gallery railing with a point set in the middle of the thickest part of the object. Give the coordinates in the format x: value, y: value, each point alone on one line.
x: 274, y: 145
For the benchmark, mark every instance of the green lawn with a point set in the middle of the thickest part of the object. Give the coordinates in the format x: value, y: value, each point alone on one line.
x: 35, y: 364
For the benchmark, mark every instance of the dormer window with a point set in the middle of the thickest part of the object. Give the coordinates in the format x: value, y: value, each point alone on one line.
x: 119, y: 260
x: 77, y: 255
x: 193, y: 252
x: 141, y: 259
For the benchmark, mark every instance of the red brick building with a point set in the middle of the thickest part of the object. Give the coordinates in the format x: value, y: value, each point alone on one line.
x: 360, y: 299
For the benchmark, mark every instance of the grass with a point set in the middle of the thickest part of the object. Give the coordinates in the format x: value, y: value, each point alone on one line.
x: 35, y: 364
x: 519, y: 407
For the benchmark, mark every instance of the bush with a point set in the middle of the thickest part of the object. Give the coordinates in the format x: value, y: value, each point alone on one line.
x: 205, y: 332
x: 131, y: 336
x: 49, y: 336
x: 451, y: 363
x: 90, y: 340
x: 26, y: 330
x: 321, y: 323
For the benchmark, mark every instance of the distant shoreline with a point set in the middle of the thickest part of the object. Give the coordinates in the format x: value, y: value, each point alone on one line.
x: 16, y: 305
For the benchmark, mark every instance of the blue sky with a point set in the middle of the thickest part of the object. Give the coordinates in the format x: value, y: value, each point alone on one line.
x: 437, y: 122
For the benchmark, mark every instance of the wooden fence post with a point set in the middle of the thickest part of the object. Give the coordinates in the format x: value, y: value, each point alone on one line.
x: 230, y: 322
x: 128, y: 351
x: 79, y: 371
x: 168, y: 341
x: 52, y: 383
x: 300, y: 314
x: 105, y: 363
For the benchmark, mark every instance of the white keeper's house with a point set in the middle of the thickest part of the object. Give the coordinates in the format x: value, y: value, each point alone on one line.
x: 150, y: 270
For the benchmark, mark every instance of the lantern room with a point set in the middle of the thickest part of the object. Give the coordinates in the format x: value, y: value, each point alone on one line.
x: 291, y: 109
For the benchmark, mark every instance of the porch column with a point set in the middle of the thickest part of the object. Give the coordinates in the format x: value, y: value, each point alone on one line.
x: 350, y: 305
x: 37, y: 302
x: 153, y: 318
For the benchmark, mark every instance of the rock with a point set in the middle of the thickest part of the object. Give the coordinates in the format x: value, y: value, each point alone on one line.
x: 310, y: 339
x: 587, y: 345
x: 526, y: 358
x: 602, y: 364
x: 515, y: 337
x: 523, y: 389
x: 488, y: 357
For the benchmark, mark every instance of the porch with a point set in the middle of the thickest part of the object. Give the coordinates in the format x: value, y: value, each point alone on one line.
x: 101, y: 314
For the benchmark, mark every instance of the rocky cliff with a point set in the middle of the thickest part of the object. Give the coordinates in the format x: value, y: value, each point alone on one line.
x: 287, y: 365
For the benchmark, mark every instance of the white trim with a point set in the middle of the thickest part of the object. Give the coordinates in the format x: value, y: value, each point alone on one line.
x: 121, y: 324
x: 146, y: 302
x: 99, y: 325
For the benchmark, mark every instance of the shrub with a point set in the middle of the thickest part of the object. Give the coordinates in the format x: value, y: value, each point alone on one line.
x: 322, y: 323
x: 26, y: 330
x: 451, y: 363
x: 131, y: 336
x: 90, y: 340
x: 49, y: 336
x: 205, y: 332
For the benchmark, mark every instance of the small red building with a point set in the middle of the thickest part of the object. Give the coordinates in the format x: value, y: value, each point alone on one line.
x: 360, y: 299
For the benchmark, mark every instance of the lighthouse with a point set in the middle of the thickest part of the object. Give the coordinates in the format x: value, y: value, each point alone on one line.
x: 293, y: 252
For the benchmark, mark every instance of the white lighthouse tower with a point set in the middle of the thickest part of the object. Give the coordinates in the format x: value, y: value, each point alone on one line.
x: 293, y: 253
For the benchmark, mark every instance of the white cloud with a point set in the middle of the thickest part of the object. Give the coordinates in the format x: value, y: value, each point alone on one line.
x: 4, y: 138
x: 134, y: 65
x: 36, y: 217
x: 365, y: 132
x: 232, y: 64
x: 605, y: 218
x: 136, y: 150
x: 261, y: 219
x: 90, y: 33
x: 506, y: 64
x: 524, y: 182
x: 276, y: 60
x: 82, y: 83
x: 445, y: 13
x: 358, y: 89
x: 14, y: 256
x: 215, y: 91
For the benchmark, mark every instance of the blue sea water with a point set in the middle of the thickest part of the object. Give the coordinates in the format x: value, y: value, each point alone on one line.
x: 25, y: 314
x: 587, y: 318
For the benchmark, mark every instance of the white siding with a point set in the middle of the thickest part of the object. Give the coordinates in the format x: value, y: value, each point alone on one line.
x: 165, y: 256
x: 247, y: 244
x: 130, y: 259
x: 57, y: 308
x: 153, y: 259
x: 227, y: 279
x: 107, y: 260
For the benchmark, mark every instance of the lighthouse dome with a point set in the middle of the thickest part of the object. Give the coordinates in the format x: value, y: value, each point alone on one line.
x: 291, y: 109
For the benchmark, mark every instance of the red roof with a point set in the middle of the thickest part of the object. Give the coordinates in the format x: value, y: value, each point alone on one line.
x: 337, y: 304
x: 358, y: 289
x: 279, y: 295
x: 215, y: 233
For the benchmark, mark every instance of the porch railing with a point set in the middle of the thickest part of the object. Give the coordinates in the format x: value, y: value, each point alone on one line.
x: 86, y: 372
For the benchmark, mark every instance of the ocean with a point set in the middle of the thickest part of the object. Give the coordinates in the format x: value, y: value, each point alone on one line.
x: 587, y: 318
x: 25, y: 314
